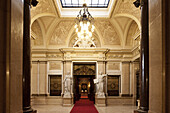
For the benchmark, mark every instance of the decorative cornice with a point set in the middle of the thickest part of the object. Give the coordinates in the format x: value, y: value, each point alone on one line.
x: 80, y: 54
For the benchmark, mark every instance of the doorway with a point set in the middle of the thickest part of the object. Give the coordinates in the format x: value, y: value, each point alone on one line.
x: 84, y: 87
x: 83, y: 76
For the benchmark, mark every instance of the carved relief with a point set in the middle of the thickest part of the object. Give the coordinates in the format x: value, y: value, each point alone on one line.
x: 42, y: 7
x: 55, y: 66
x: 136, y: 51
x: 110, y: 37
x: 61, y: 32
x: 84, y: 70
x: 37, y: 30
x: 133, y: 29
x: 113, y: 66
x: 74, y: 39
x: 114, y: 56
x: 84, y: 55
x: 127, y: 6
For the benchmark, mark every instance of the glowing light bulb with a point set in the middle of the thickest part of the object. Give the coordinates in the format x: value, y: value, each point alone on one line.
x: 75, y: 26
x: 86, y: 37
x: 82, y: 37
x: 88, y: 23
x: 82, y: 28
x: 81, y: 24
x: 85, y: 27
x: 79, y: 34
x: 93, y: 26
x: 92, y: 30
x: 82, y: 31
x: 90, y: 34
x: 77, y: 30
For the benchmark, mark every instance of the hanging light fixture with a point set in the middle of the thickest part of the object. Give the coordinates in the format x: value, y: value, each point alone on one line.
x: 84, y: 26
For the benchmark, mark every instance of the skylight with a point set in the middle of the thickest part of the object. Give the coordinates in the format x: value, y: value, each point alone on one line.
x: 90, y: 3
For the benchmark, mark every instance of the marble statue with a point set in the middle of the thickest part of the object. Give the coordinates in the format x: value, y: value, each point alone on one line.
x: 67, y: 85
x: 100, y: 82
x: 84, y: 43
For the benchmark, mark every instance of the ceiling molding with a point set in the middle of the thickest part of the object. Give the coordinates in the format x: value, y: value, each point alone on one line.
x: 127, y: 31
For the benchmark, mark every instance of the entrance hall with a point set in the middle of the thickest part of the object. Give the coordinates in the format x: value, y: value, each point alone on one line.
x: 111, y: 55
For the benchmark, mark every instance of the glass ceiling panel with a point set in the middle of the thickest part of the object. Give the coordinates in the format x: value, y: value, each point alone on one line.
x: 90, y: 3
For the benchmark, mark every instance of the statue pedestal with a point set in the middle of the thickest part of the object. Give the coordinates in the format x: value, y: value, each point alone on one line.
x: 67, y: 101
x: 67, y: 95
x: 140, y: 111
x: 100, y: 100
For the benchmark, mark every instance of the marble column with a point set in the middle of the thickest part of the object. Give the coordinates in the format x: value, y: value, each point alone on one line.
x: 131, y: 78
x: 27, y: 59
x: 144, y: 58
x: 134, y: 87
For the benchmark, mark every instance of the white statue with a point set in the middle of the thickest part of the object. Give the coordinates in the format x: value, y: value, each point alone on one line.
x: 100, y: 83
x: 67, y: 84
x: 84, y: 43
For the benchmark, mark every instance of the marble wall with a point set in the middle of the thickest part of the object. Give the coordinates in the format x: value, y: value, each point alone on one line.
x: 16, y: 60
x: 133, y: 80
x: 101, y: 67
x: 39, y: 78
x: 112, y: 66
x: 125, y: 79
x: 155, y: 57
x: 11, y: 31
x: 41, y: 71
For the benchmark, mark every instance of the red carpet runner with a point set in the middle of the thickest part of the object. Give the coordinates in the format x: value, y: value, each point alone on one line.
x: 84, y: 106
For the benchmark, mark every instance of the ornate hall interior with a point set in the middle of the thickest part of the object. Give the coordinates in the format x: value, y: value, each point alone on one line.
x: 120, y: 63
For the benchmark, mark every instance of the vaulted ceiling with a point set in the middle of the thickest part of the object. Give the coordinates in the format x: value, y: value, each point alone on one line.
x: 51, y: 29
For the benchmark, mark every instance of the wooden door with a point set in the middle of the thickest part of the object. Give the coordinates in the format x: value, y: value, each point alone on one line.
x: 76, y: 89
x: 92, y: 89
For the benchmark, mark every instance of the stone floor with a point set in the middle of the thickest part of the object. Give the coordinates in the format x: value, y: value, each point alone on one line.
x: 51, y: 109
x: 116, y: 109
x: 61, y: 109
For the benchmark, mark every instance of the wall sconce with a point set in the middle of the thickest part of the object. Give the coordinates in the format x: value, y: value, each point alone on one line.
x: 137, y: 3
x: 34, y: 2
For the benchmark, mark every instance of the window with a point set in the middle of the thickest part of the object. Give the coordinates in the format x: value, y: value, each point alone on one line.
x: 79, y: 3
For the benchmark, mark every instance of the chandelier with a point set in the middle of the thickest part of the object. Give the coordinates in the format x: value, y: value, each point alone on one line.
x: 84, y: 28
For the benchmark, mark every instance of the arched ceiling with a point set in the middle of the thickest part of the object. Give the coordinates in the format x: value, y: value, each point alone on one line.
x: 50, y: 30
